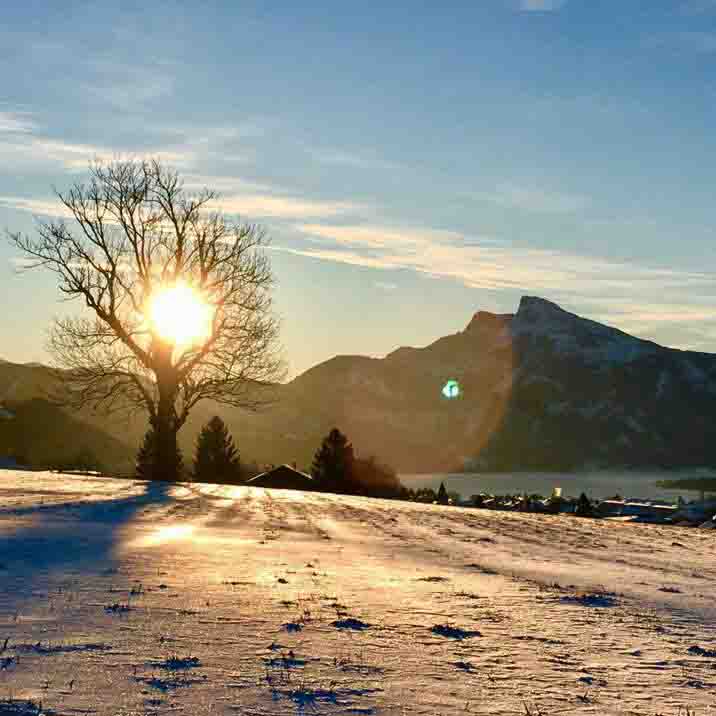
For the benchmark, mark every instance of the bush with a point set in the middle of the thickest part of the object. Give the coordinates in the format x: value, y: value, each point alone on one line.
x: 371, y: 478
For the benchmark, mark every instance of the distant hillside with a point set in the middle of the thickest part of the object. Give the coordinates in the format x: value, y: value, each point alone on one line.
x: 42, y: 435
x: 541, y: 389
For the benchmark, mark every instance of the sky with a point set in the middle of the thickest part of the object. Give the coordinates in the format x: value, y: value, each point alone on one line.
x: 412, y: 162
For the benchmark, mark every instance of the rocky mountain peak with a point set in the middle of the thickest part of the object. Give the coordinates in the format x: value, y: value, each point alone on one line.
x: 534, y: 308
x: 486, y: 320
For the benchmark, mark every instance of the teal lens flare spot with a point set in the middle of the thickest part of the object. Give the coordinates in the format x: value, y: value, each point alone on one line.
x: 451, y: 389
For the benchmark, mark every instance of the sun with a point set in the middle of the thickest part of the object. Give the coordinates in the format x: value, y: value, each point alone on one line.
x: 179, y: 315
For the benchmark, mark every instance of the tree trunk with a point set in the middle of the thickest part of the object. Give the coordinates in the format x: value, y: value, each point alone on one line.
x: 167, y: 465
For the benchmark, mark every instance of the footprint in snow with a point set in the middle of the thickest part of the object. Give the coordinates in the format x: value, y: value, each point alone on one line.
x: 350, y: 623
x: 465, y: 665
x: 176, y: 663
x: 591, y: 681
x: 606, y: 599
x: 451, y: 632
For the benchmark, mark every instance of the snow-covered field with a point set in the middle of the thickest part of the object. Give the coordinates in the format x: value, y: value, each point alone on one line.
x: 118, y: 597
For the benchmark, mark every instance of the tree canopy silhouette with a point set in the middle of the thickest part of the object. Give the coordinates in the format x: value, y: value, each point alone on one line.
x: 584, y: 506
x: 332, y: 466
x: 135, y: 233
x: 216, y: 458
x: 442, y: 496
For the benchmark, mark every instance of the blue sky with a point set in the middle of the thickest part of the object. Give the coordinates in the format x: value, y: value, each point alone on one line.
x: 412, y: 164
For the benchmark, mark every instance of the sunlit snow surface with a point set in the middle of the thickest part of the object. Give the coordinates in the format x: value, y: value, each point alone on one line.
x: 117, y: 598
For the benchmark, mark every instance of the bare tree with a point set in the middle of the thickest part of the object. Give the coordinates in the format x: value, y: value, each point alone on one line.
x: 136, y: 232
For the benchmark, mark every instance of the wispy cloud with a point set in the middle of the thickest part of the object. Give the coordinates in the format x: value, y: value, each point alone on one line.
x: 541, y: 5
x: 380, y: 237
x: 21, y: 262
x: 690, y: 325
x: 249, y: 205
x: 227, y: 185
x: 16, y: 122
x: 41, y: 207
x: 487, y: 264
x: 237, y: 196
x: 30, y: 148
x: 130, y: 87
x: 385, y: 285
x: 282, y: 207
x: 529, y: 198
x: 351, y: 159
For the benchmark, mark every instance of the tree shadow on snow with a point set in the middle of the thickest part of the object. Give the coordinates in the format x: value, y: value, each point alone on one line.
x: 67, y: 539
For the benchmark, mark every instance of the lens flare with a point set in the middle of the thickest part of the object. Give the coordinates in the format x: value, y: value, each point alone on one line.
x: 451, y: 389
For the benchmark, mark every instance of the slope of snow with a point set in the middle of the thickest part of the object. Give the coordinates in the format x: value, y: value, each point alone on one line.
x: 118, y: 597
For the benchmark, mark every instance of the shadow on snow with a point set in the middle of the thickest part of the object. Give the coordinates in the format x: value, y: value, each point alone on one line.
x: 66, y: 539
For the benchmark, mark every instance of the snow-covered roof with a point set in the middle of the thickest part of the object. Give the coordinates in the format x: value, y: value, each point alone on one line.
x: 282, y: 477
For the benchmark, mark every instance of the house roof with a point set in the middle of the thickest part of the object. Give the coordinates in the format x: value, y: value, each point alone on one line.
x: 283, y: 477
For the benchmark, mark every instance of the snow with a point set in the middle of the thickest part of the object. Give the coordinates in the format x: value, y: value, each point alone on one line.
x: 122, y: 597
x: 570, y: 334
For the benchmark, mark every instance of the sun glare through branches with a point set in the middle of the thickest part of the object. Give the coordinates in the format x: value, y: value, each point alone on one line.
x: 180, y: 315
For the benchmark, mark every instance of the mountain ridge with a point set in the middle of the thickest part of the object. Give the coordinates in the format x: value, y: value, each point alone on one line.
x: 541, y: 388
x: 535, y: 383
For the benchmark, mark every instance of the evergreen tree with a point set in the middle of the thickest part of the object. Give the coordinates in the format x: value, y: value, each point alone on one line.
x: 442, y: 495
x: 425, y: 494
x: 332, y: 466
x: 216, y: 458
x: 147, y: 467
x: 584, y: 506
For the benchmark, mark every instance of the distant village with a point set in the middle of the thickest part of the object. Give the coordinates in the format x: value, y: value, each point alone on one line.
x: 379, y: 481
x: 698, y: 513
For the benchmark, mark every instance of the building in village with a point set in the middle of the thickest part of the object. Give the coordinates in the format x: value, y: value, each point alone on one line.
x: 283, y: 477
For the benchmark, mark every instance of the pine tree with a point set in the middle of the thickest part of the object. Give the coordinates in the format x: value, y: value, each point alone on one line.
x: 332, y: 466
x: 442, y: 495
x: 584, y: 506
x: 216, y: 458
x: 147, y: 467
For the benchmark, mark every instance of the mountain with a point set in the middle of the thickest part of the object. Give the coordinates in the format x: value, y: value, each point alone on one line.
x: 541, y: 389
x: 42, y: 434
